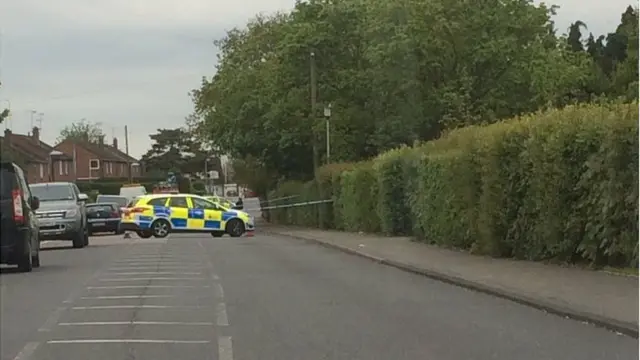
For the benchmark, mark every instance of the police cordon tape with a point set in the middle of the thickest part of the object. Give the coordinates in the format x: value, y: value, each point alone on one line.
x: 291, y: 205
x: 278, y: 199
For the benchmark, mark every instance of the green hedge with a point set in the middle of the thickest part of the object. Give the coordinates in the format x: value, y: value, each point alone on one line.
x: 560, y: 184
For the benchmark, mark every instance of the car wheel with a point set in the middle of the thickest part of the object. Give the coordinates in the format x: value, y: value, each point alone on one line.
x: 144, y: 234
x: 160, y: 228
x: 235, y: 228
x: 78, y: 240
x: 25, y: 263
x: 86, y: 237
x: 36, y: 261
x: 217, y: 233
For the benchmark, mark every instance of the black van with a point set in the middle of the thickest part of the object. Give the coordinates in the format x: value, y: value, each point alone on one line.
x: 19, y: 243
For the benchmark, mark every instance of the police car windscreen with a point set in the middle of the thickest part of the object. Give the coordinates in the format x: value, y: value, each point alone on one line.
x: 52, y: 192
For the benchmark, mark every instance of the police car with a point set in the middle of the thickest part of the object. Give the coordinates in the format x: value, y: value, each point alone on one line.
x: 160, y: 214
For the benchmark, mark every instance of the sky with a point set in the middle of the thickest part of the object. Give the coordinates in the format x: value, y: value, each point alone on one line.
x: 133, y: 62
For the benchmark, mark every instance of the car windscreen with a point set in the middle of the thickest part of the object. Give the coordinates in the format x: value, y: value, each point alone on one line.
x: 7, y: 179
x: 95, y: 208
x: 120, y: 200
x: 52, y: 192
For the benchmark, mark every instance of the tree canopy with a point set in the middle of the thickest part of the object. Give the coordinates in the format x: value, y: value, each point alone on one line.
x: 179, y: 151
x: 82, y: 130
x: 396, y: 73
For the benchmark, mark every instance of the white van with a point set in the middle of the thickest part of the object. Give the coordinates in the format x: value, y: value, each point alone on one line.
x: 130, y: 191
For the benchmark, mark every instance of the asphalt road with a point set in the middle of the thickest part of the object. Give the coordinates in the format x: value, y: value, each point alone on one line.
x: 266, y: 298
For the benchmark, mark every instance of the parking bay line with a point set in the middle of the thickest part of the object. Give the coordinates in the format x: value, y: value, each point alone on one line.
x: 154, y: 278
x: 108, y: 307
x: 155, y: 273
x: 118, y: 297
x: 145, y: 287
x: 130, y: 341
x: 101, y: 323
x: 27, y: 351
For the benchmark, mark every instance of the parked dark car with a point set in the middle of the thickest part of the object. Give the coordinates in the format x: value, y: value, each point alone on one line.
x: 104, y: 217
x: 19, y: 241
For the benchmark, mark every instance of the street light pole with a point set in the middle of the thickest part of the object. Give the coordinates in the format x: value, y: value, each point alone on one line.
x: 314, y: 90
x: 327, y: 115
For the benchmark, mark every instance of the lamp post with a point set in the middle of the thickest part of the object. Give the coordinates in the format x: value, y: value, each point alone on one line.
x: 327, y: 115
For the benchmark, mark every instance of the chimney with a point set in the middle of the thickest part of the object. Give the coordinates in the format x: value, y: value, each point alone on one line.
x: 7, y: 136
x: 36, y: 134
x: 115, y: 142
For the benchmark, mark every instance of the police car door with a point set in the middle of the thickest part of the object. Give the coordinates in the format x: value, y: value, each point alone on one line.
x: 179, y: 212
x: 212, y: 216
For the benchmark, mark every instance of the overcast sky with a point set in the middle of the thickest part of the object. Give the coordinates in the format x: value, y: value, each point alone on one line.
x: 133, y: 62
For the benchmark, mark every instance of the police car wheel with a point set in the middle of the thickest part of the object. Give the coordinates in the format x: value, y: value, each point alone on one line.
x: 160, y: 228
x: 235, y: 228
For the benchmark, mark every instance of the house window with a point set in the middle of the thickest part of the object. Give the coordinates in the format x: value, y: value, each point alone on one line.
x: 66, y: 168
x: 121, y: 169
x: 41, y: 171
x: 110, y: 168
x: 94, y: 164
x: 60, y: 167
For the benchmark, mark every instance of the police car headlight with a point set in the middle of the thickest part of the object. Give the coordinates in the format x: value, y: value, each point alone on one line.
x: 71, y: 213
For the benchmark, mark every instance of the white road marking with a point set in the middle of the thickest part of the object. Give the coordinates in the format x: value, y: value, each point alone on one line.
x: 225, y: 348
x: 131, y: 341
x: 158, y: 267
x: 52, y: 319
x: 221, y: 315
x: 27, y: 351
x: 154, y: 278
x: 100, y: 323
x: 125, y: 297
x: 215, y: 277
x: 145, y: 286
x: 107, y: 307
x: 155, y: 273
x: 217, y: 289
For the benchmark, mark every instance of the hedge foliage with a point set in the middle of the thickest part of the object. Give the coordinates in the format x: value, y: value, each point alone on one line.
x: 559, y: 184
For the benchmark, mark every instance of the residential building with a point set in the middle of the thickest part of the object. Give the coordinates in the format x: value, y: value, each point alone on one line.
x: 41, y: 162
x: 100, y: 160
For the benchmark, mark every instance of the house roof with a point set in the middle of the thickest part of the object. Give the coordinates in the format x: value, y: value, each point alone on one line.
x: 105, y: 152
x: 31, y: 149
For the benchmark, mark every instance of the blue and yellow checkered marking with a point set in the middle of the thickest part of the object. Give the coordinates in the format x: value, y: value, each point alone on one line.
x: 227, y: 215
x: 195, y: 219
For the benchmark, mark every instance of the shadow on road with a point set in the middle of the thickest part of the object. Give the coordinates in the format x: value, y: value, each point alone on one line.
x: 49, y: 248
x: 9, y: 270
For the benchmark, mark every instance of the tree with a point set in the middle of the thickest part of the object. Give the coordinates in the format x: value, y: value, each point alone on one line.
x: 82, y: 130
x: 395, y: 73
x: 176, y: 150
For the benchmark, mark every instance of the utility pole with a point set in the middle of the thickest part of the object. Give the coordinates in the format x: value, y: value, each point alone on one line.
x: 314, y: 90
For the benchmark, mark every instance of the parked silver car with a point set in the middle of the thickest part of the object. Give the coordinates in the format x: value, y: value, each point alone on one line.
x: 62, y: 214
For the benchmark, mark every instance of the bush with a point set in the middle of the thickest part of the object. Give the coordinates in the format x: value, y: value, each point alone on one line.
x: 559, y: 184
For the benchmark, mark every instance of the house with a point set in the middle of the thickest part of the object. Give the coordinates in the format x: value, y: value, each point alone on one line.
x: 41, y: 162
x: 100, y: 160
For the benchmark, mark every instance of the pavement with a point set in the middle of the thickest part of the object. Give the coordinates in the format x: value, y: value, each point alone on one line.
x: 268, y: 297
x: 604, y: 299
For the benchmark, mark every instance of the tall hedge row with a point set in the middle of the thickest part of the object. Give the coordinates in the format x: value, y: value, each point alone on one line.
x: 560, y: 184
